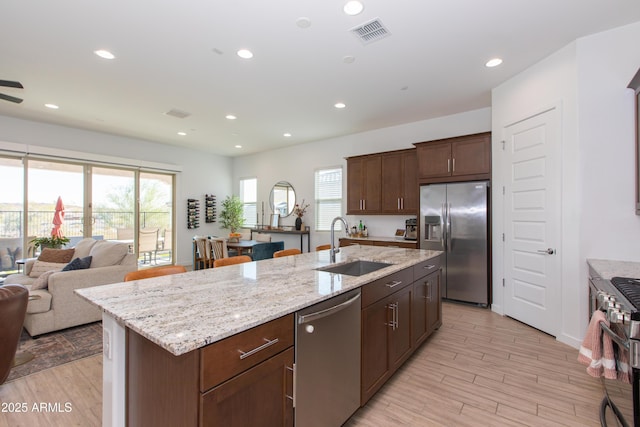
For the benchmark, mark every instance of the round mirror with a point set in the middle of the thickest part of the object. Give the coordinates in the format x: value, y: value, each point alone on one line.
x: 282, y: 199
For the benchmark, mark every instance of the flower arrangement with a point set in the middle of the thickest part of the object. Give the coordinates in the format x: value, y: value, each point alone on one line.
x: 300, y: 209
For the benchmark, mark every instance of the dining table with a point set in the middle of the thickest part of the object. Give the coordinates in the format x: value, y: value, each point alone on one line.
x: 242, y: 246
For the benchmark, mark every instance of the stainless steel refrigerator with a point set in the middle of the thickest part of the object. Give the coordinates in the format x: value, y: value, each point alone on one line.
x: 454, y: 218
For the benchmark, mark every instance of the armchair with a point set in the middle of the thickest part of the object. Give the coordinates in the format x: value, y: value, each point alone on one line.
x: 266, y: 250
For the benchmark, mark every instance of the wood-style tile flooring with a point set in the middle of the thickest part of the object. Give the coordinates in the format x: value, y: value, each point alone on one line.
x: 479, y: 369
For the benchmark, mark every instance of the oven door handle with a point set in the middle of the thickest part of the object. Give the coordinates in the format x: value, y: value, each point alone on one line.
x: 607, y: 330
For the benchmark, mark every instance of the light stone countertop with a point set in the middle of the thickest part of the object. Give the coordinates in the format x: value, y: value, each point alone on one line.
x: 184, y: 312
x: 606, y: 269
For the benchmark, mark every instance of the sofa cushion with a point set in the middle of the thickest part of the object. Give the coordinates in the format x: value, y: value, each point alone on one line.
x: 42, y: 281
x: 40, y: 267
x: 83, y: 247
x: 19, y: 279
x: 39, y: 302
x: 56, y: 255
x: 106, y: 253
x: 78, y: 264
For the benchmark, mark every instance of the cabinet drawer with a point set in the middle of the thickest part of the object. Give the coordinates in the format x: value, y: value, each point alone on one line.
x: 386, y: 286
x: 227, y: 358
x: 399, y: 244
x: 426, y: 267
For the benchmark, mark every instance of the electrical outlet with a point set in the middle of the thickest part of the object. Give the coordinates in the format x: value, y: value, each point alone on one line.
x: 106, y: 343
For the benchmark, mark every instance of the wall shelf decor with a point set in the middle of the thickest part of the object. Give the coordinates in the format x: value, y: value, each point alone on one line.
x: 193, y: 213
x: 209, y: 208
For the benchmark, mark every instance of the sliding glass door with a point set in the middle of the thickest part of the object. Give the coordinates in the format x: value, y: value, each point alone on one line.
x: 11, y: 216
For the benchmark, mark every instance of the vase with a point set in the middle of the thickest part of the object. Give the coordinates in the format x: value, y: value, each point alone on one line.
x: 298, y: 223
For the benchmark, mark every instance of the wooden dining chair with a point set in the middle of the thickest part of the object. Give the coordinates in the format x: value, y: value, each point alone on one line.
x: 287, y: 252
x: 240, y: 259
x: 323, y: 247
x: 219, y: 248
x: 154, y: 272
x: 203, y: 255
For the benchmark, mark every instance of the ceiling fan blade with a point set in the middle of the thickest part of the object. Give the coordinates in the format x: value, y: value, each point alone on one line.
x: 10, y: 98
x: 9, y: 83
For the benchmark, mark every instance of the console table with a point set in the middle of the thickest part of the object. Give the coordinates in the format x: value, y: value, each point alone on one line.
x: 302, y: 233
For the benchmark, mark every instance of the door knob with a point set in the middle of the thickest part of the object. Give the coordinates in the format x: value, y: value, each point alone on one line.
x: 548, y: 251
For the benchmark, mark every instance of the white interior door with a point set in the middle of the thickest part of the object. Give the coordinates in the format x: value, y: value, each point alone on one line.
x: 532, y: 221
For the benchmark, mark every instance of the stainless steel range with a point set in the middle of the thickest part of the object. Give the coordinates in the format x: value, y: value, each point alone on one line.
x: 619, y: 298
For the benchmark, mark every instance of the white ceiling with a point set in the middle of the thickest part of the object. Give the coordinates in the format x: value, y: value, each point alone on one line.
x: 181, y: 55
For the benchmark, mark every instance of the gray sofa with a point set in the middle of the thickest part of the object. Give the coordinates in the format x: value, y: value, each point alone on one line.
x: 58, y: 307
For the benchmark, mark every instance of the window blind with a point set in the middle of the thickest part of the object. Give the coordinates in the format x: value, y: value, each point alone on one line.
x: 328, y: 197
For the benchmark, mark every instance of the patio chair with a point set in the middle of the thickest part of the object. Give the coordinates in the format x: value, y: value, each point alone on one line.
x: 148, y: 244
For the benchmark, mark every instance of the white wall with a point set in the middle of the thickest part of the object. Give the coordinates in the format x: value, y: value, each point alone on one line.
x: 587, y: 79
x: 297, y: 165
x: 202, y: 173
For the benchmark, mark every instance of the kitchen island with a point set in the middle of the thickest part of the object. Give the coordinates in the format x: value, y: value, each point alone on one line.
x: 182, y: 315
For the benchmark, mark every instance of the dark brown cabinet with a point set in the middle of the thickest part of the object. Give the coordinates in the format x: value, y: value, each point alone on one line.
x: 386, y: 340
x: 400, y: 182
x: 409, y: 244
x: 364, y: 184
x: 426, y: 307
x: 454, y: 159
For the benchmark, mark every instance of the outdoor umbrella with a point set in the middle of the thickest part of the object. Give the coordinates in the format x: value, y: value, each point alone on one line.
x: 58, y: 219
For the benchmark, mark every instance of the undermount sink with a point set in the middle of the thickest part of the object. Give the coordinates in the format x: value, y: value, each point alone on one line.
x: 355, y: 268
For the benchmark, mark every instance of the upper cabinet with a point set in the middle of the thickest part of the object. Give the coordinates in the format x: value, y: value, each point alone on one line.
x: 400, y: 182
x: 383, y: 183
x: 364, y: 180
x: 455, y: 159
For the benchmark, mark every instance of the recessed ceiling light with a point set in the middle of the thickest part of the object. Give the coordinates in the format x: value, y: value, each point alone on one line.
x: 52, y: 106
x: 286, y: 135
x: 340, y: 105
x: 230, y: 117
x: 238, y: 146
x: 303, y: 22
x: 245, y: 54
x: 353, y: 8
x: 182, y: 133
x: 104, y: 54
x: 493, y: 62
x: 348, y: 59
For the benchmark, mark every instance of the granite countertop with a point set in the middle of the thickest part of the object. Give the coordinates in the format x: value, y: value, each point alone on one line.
x: 184, y: 312
x: 606, y: 269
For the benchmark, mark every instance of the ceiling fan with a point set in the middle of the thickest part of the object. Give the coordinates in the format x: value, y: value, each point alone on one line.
x: 9, y: 83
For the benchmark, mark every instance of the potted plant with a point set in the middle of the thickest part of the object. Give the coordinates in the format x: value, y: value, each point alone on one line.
x: 231, y: 216
x: 54, y: 242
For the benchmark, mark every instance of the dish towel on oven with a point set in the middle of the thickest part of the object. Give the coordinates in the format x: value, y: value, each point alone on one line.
x: 598, y: 352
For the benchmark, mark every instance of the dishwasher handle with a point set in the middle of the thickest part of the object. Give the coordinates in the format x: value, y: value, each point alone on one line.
x: 327, y: 311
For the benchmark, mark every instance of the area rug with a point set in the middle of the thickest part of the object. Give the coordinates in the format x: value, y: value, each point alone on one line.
x: 57, y: 348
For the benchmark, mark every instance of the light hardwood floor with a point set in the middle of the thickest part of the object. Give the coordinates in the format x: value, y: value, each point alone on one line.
x: 479, y: 369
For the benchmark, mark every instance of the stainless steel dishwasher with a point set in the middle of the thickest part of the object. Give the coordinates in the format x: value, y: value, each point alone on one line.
x: 327, y: 367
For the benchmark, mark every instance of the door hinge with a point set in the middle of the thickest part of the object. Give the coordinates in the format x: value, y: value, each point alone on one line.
x: 503, y: 282
x: 503, y: 190
x: 504, y: 143
x: 503, y: 237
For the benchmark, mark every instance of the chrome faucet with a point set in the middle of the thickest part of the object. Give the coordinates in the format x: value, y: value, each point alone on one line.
x: 333, y: 251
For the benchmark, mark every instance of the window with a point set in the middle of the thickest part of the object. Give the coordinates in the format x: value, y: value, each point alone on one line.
x: 249, y: 198
x: 328, y: 191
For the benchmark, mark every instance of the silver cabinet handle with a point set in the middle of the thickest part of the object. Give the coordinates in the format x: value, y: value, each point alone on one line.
x: 269, y: 343
x: 392, y: 323
x: 429, y: 267
x: 454, y: 165
x: 548, y: 251
x: 448, y: 165
x: 293, y: 385
x: 393, y: 284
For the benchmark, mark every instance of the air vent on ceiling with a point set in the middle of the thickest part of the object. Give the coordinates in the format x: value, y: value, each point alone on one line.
x: 177, y: 113
x: 371, y: 31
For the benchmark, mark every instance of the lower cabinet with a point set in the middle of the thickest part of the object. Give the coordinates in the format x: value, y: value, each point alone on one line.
x: 260, y: 396
x: 426, y: 308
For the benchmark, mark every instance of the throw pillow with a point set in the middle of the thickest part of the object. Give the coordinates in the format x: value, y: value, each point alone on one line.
x: 83, y: 247
x: 78, y: 264
x: 106, y: 253
x: 42, y: 282
x: 40, y: 267
x: 56, y: 255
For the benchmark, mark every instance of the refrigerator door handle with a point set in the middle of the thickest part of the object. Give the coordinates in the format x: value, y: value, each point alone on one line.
x: 449, y: 227
x: 443, y: 229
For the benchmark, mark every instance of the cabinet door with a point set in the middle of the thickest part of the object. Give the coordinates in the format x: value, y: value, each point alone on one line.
x: 471, y: 156
x: 434, y: 302
x: 434, y: 160
x: 375, y: 359
x: 372, y: 193
x: 355, y: 174
x: 400, y: 336
x: 411, y: 190
x: 258, y: 396
x: 392, y: 182
x: 419, y: 331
